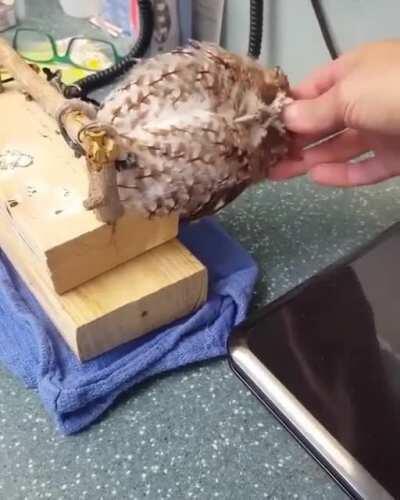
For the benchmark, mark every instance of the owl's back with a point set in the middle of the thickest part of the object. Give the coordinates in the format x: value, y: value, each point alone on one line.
x: 189, y: 142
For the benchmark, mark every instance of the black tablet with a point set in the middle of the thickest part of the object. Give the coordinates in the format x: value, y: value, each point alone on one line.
x: 325, y: 359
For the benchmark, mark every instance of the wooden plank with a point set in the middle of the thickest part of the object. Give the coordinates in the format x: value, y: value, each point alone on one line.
x: 100, y: 148
x: 45, y: 202
x: 151, y: 290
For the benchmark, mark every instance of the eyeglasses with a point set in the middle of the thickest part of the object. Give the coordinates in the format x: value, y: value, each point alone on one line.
x: 90, y: 54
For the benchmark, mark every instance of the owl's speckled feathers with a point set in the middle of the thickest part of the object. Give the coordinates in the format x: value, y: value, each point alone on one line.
x: 196, y: 127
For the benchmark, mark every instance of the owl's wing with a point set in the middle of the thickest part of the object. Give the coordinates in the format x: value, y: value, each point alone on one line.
x: 192, y: 121
x: 194, y: 166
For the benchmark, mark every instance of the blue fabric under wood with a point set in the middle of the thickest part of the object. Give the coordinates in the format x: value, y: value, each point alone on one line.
x: 76, y: 394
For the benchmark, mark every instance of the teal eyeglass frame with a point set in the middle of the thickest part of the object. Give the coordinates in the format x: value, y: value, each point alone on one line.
x: 66, y: 58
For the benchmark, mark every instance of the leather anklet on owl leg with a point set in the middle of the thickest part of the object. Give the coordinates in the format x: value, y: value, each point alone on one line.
x: 98, y: 143
x: 80, y: 108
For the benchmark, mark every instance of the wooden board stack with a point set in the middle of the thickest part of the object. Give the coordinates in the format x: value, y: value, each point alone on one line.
x: 101, y: 287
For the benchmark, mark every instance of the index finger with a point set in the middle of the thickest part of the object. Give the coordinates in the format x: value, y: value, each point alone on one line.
x: 322, y: 79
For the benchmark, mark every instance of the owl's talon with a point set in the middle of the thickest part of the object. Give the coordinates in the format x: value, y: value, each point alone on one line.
x: 78, y: 106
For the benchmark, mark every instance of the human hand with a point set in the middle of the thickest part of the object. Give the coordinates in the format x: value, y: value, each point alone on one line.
x: 354, y: 100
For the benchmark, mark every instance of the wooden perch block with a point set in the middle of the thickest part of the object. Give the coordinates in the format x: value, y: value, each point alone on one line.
x: 150, y: 291
x: 41, y: 198
x: 101, y: 285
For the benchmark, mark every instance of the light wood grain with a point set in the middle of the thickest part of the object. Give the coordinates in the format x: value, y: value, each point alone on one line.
x: 45, y: 203
x: 152, y: 290
x: 102, y: 196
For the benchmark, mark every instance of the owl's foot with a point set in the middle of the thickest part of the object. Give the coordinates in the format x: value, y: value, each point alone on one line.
x: 79, y: 107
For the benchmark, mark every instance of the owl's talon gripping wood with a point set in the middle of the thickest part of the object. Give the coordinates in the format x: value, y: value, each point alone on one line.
x: 102, y: 153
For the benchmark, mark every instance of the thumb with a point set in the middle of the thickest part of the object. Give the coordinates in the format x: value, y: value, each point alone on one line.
x: 324, y: 114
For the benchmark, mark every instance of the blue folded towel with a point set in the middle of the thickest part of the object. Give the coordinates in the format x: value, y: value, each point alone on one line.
x: 74, y: 393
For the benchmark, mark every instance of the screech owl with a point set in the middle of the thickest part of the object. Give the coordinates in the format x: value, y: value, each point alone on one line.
x: 196, y: 127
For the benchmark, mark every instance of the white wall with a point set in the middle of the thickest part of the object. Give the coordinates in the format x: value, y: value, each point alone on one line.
x: 291, y: 34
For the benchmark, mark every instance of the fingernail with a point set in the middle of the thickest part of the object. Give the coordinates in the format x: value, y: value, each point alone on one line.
x: 290, y: 114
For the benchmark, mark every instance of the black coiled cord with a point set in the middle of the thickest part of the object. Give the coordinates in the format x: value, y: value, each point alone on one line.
x: 81, y: 88
x: 323, y: 25
x: 256, y: 28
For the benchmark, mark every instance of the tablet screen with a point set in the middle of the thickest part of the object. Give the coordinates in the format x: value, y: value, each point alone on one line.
x: 335, y: 344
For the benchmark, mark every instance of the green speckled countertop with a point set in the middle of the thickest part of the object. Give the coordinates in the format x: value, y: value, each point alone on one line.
x: 197, y: 433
